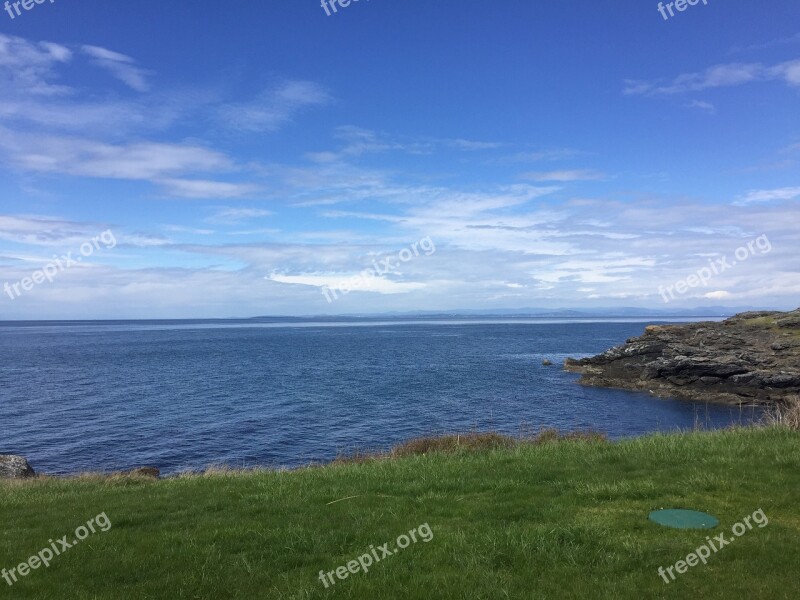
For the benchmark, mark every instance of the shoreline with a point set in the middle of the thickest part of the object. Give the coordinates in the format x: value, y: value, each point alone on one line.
x: 442, y: 444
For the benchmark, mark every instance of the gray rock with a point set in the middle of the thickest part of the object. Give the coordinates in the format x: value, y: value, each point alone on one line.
x: 743, y: 378
x: 793, y: 320
x: 751, y: 356
x: 15, y: 467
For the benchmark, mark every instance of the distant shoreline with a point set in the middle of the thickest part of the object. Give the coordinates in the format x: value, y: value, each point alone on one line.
x: 361, y: 321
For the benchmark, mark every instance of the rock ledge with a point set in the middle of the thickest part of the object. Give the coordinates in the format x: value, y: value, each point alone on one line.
x: 753, y: 357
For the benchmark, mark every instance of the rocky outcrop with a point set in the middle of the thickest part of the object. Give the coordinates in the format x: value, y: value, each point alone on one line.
x: 753, y: 357
x: 15, y: 467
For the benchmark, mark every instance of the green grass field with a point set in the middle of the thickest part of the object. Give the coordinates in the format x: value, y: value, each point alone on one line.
x: 561, y: 519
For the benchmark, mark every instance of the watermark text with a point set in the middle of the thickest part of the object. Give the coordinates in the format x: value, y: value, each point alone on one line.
x: 56, y: 548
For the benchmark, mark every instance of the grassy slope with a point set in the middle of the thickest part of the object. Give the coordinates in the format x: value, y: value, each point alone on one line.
x: 561, y: 520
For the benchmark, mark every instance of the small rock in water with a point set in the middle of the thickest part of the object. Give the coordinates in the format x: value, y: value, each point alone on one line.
x: 547, y: 363
x: 15, y: 467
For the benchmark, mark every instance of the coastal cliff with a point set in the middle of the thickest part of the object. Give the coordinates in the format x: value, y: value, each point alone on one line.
x: 753, y: 357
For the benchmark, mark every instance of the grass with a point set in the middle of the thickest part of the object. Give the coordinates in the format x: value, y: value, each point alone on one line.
x: 470, y: 442
x: 542, y: 518
x: 762, y: 322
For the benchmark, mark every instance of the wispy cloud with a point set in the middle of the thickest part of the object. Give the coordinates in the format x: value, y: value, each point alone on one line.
x: 358, y: 141
x: 275, y: 107
x: 701, y: 105
x: 119, y: 65
x: 231, y: 215
x: 724, y: 75
x: 90, y: 158
x: 28, y: 67
x: 206, y: 188
x: 470, y: 145
x: 752, y: 196
x: 377, y: 284
x: 53, y: 232
x: 173, y: 167
x: 541, y: 155
x: 566, y: 176
x: 793, y: 39
x: 717, y: 295
x: 36, y: 94
x: 42, y: 230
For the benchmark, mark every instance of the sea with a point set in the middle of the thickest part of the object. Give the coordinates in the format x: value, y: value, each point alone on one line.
x: 284, y: 393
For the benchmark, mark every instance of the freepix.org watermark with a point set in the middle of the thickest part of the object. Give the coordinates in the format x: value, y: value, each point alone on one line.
x: 13, y: 7
x: 680, y: 6
x: 715, y: 267
x: 59, y: 265
x: 330, y: 5
x: 47, y: 554
x: 703, y: 553
x: 382, y: 266
x: 364, y: 562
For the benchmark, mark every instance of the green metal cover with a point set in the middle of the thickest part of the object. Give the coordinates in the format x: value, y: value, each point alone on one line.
x: 684, y: 519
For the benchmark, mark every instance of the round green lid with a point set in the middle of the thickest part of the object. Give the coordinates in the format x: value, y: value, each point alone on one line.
x: 683, y: 519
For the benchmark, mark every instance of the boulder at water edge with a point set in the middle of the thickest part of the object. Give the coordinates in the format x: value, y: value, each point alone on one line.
x: 15, y: 467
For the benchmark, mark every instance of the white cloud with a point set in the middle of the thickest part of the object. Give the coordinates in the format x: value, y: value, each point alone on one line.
x: 174, y: 167
x: 90, y: 158
x: 357, y: 141
x: 788, y: 71
x: 566, y: 176
x: 230, y: 215
x: 204, y: 188
x: 27, y: 68
x: 718, y: 295
x: 275, y: 107
x: 191, y: 230
x: 724, y: 75
x: 350, y: 281
x: 542, y: 155
x: 43, y: 230
x: 770, y: 44
x: 787, y: 193
x: 53, y: 232
x: 119, y: 65
x: 700, y: 104
x: 470, y: 145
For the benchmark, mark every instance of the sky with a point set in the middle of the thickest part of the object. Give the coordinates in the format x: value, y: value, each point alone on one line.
x: 233, y: 159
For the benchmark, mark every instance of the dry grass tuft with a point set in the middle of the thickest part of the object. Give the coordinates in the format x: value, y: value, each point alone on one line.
x: 453, y: 443
x: 785, y: 414
x: 471, y: 442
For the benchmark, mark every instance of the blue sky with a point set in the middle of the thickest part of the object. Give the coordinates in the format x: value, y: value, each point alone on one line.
x: 246, y: 155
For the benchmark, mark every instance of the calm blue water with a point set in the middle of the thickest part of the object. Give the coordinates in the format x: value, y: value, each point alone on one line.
x: 77, y: 397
